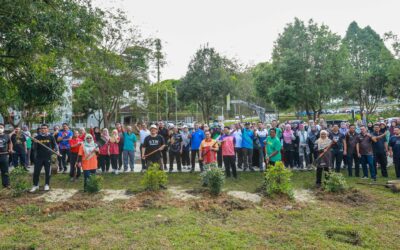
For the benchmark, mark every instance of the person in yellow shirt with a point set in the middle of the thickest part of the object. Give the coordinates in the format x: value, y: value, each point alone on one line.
x: 208, y: 149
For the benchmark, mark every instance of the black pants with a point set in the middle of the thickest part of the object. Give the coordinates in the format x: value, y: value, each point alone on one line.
x: 185, y: 158
x: 248, y: 158
x: 219, y: 158
x: 381, y: 158
x: 143, y: 161
x: 177, y: 156
x: 4, y: 171
x: 350, y: 159
x: 319, y: 174
x: 229, y: 162
x: 104, y: 161
x: 39, y: 163
x: 239, y: 157
x: 194, y: 153
x: 337, y: 157
x: 73, y: 157
x: 164, y: 157
x: 19, y: 159
x: 114, y: 161
x: 296, y: 157
x: 64, y: 155
x: 396, y: 162
x: 289, y: 158
x: 120, y: 161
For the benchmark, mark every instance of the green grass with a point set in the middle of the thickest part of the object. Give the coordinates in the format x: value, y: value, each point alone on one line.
x: 108, y: 226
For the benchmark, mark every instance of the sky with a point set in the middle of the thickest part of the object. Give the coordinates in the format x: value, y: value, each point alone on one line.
x: 244, y: 30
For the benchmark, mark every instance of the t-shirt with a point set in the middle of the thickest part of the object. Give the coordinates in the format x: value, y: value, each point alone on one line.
x: 351, y: 142
x: 208, y: 155
x: 379, y: 146
x: 262, y: 136
x: 4, y: 140
x: 87, y: 164
x: 175, y: 143
x: 73, y: 142
x: 272, y: 145
x: 227, y: 145
x: 129, y: 141
x: 151, y: 144
x: 66, y: 135
x: 238, y: 138
x: 365, y: 144
x: 197, y: 137
x: 394, y: 143
x: 114, y: 148
x: 18, y: 142
x: 247, y: 138
x: 49, y: 141
x: 143, y: 134
x: 338, y: 138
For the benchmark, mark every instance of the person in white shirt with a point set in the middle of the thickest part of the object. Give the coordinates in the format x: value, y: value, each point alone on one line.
x: 237, y: 133
x: 143, y: 133
x: 304, y: 150
x: 186, y: 147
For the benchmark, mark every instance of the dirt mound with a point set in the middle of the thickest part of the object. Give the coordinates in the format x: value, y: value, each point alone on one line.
x: 255, y: 198
x: 352, y: 197
x: 149, y: 200
x: 281, y: 202
x: 9, y: 203
x: 223, y: 201
x: 69, y: 206
x: 182, y: 194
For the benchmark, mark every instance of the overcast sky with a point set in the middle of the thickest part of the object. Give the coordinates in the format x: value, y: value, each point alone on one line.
x: 245, y: 30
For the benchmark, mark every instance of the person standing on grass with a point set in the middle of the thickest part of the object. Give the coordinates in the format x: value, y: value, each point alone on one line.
x: 163, y: 131
x: 323, y: 145
x: 208, y: 149
x: 196, y: 137
x: 75, y: 144
x: 237, y: 133
x: 5, y: 149
x: 175, y: 149
x: 143, y: 133
x: 87, y: 158
x: 394, y: 150
x: 27, y: 134
x: 152, y: 147
x: 272, y: 148
x: 365, y: 151
x: 63, y: 138
x: 186, y: 147
x: 228, y: 152
x: 288, y: 146
x: 129, y: 149
x: 247, y: 146
x: 312, y: 136
x: 337, y: 148
x: 120, y: 130
x: 215, y: 134
x: 43, y: 157
x: 114, y: 150
x: 380, y: 147
x: 304, y: 150
x: 18, y: 140
x: 350, y: 151
x: 104, y: 152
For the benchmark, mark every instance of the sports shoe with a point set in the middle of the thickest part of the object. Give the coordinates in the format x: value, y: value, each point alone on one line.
x: 46, y: 188
x: 365, y: 178
x: 34, y: 189
x: 116, y: 172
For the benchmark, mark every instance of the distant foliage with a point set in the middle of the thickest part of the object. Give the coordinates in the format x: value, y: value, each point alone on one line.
x: 278, y: 181
x: 154, y: 178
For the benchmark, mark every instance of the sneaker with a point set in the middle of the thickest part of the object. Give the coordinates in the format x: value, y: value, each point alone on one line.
x: 46, y: 188
x: 116, y: 172
x: 170, y: 171
x: 126, y: 170
x: 365, y: 178
x: 132, y: 170
x: 34, y: 189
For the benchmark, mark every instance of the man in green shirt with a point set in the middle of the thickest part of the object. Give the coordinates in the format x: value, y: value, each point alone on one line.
x: 272, y: 148
x: 278, y: 131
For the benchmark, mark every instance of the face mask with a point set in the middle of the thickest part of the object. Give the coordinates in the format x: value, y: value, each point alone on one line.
x: 1, y: 130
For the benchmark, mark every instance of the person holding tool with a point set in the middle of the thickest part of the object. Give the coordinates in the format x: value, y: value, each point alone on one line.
x: 324, y: 160
x: 152, y: 147
x: 208, y: 149
x: 87, y: 158
x: 44, y: 145
x: 5, y: 150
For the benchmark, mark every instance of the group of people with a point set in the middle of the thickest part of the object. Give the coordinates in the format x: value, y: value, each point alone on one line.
x: 245, y: 146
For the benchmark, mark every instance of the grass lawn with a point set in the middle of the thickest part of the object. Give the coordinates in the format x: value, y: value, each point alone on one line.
x: 89, y: 223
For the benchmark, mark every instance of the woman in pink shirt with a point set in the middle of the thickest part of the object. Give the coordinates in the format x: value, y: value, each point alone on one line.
x: 104, y: 153
x: 114, y: 150
x: 228, y: 152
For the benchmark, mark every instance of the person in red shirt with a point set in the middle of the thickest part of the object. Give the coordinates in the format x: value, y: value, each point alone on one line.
x: 208, y: 149
x: 82, y: 134
x: 75, y: 144
x: 228, y: 152
x: 114, y: 150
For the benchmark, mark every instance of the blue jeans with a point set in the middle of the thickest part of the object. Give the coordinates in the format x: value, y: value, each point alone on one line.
x: 131, y: 155
x: 368, y: 159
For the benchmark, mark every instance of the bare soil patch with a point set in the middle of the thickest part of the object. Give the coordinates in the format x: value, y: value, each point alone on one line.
x: 352, y: 197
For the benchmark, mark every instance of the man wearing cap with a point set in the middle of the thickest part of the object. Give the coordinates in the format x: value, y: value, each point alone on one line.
x: 247, y: 146
x: 196, y: 138
x: 152, y: 147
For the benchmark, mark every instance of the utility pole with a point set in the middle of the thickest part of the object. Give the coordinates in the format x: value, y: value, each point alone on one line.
x: 176, y: 107
x: 166, y: 104
x: 158, y: 111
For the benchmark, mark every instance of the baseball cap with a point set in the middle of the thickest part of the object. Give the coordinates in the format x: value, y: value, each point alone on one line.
x: 247, y: 123
x: 153, y: 126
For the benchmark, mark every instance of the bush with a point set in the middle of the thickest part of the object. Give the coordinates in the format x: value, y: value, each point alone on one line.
x: 19, y: 179
x: 94, y: 184
x: 335, y: 182
x: 214, y: 178
x: 154, y: 178
x: 277, y: 180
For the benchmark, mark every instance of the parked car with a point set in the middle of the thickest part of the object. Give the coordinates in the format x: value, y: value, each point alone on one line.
x: 338, y: 122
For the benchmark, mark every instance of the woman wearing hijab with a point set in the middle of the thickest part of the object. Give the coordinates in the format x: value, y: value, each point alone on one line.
x: 87, y: 158
x: 288, y: 145
x: 114, y: 150
x: 104, y: 152
x: 323, y: 145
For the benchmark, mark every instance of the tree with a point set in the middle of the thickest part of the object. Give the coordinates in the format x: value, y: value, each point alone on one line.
x: 166, y: 96
x: 159, y: 58
x: 368, y: 62
x: 208, y: 80
x: 393, y: 74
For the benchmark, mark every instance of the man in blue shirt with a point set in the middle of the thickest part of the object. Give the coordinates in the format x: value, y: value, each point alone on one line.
x: 196, y: 138
x: 63, y: 138
x: 129, y: 149
x: 379, y: 148
x: 247, y: 146
x: 394, y: 150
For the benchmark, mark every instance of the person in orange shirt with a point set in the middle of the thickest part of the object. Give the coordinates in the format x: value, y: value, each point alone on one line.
x: 87, y: 158
x: 208, y: 149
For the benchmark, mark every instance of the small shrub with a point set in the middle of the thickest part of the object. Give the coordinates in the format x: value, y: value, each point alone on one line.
x: 278, y: 180
x: 19, y: 179
x: 214, y: 178
x: 335, y: 182
x: 94, y: 184
x: 154, y: 178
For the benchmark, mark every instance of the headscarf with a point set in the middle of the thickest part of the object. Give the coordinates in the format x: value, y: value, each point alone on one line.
x: 88, y: 147
x: 323, y: 143
x: 105, y: 134
x: 115, y: 135
x: 287, y: 134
